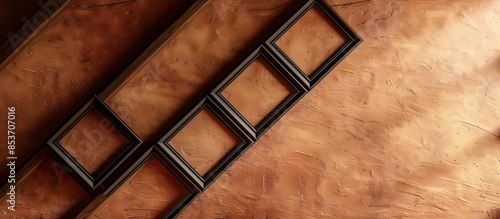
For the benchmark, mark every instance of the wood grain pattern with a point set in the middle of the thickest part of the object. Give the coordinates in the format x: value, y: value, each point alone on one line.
x: 406, y: 127
x: 94, y: 141
x: 311, y: 41
x: 85, y: 46
x: 257, y: 91
x: 204, y: 141
x: 49, y: 192
x: 150, y: 193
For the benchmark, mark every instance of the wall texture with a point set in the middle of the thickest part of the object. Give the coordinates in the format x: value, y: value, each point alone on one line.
x: 407, y: 126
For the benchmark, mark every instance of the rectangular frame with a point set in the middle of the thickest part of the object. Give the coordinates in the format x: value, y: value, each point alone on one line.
x: 353, y: 40
x: 79, y: 173
x: 275, y: 114
x: 136, y: 166
x: 204, y: 181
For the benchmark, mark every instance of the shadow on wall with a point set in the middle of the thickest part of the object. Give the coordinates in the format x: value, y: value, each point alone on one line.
x: 494, y: 214
x: 19, y: 19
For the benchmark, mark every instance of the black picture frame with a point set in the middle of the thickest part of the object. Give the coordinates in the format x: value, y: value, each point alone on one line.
x: 204, y: 181
x: 172, y: 167
x: 352, y: 41
x: 89, y: 182
x: 268, y: 121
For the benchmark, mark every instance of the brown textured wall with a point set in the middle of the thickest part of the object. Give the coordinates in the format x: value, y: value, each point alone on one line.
x: 49, y: 192
x: 406, y: 127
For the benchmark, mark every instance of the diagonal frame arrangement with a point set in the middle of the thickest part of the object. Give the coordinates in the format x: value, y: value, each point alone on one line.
x: 117, y: 172
x: 286, y: 68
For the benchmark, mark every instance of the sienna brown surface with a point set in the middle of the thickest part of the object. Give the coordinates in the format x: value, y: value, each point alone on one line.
x: 204, y: 141
x: 94, y: 141
x: 406, y: 127
x: 257, y: 91
x: 311, y: 41
x: 150, y: 193
x: 80, y: 51
x: 49, y: 192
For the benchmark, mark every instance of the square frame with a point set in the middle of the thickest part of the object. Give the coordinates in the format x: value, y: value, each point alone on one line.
x: 276, y: 113
x: 77, y: 171
x: 170, y: 165
x: 204, y: 181
x: 353, y: 40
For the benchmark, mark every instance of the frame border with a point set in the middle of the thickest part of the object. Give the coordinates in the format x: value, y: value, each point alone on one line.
x: 80, y: 174
x: 204, y: 181
x: 353, y: 40
x: 271, y: 118
x: 134, y: 168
